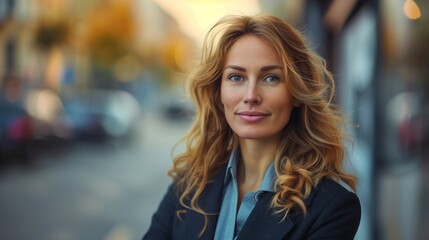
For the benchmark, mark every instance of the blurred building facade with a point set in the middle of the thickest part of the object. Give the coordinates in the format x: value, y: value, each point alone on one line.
x: 376, y: 51
x: 61, y: 48
x: 60, y: 43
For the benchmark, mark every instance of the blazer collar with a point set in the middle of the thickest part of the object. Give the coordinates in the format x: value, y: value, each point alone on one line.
x: 263, y: 220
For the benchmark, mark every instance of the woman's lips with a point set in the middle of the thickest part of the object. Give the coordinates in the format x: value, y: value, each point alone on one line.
x: 252, y: 116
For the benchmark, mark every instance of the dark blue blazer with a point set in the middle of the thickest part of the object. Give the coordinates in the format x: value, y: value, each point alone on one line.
x: 332, y: 213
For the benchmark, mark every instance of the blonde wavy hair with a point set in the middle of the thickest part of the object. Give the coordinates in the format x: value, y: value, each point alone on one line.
x: 312, y: 144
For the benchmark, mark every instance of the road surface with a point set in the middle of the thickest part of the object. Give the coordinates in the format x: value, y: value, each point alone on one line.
x: 90, y: 191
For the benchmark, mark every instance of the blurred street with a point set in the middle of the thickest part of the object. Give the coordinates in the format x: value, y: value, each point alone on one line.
x: 90, y: 191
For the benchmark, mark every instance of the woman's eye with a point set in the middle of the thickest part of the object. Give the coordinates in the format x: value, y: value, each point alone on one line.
x: 235, y: 78
x: 272, y: 79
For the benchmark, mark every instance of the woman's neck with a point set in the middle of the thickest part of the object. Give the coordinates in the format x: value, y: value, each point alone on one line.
x: 256, y: 157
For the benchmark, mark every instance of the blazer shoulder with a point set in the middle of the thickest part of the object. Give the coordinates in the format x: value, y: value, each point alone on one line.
x: 165, y: 216
x: 329, y: 191
x: 330, y: 188
x: 334, y: 213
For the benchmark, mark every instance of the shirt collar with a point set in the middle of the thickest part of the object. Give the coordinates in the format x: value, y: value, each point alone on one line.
x: 267, y: 184
x: 231, y: 169
x: 231, y: 173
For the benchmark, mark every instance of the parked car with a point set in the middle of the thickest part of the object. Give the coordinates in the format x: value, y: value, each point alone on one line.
x: 176, y: 106
x: 16, y: 131
x: 100, y: 113
x: 46, y: 109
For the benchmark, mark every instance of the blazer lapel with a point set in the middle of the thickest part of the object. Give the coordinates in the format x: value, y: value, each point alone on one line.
x: 210, y: 201
x: 263, y: 221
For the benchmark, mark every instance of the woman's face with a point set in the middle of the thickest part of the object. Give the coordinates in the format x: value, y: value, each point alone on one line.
x: 256, y: 102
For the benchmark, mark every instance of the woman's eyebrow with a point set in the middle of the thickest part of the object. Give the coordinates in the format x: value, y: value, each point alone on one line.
x: 235, y: 68
x: 263, y: 69
x: 271, y: 67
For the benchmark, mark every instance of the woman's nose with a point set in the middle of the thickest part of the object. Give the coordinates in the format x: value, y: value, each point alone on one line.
x: 252, y: 95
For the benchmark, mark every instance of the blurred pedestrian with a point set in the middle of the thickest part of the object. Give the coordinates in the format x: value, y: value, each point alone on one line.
x: 264, y: 156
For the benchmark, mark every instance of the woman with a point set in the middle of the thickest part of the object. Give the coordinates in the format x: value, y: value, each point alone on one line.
x: 265, y: 153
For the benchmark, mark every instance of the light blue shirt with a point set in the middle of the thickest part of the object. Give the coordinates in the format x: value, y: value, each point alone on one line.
x: 230, y: 220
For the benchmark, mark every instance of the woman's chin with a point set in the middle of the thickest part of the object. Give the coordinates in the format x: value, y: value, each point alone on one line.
x: 254, y: 136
